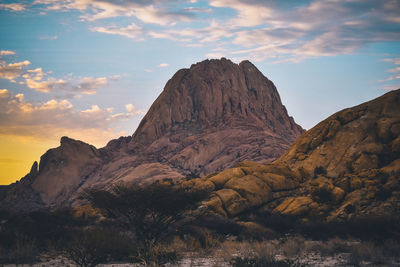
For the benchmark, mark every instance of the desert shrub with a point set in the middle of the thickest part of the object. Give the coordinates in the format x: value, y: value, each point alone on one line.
x: 147, y: 211
x: 151, y: 213
x: 23, y: 236
x: 332, y: 246
x: 157, y: 255
x: 378, y: 229
x: 89, y: 247
x: 247, y: 253
x: 219, y: 225
x: 391, y: 248
x: 292, y: 246
x: 256, y: 232
x: 281, y: 224
x: 23, y: 251
x: 366, y: 251
x: 202, y: 239
x: 261, y: 262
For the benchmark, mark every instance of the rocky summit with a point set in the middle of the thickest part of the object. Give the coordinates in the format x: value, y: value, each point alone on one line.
x: 346, y: 167
x: 208, y: 118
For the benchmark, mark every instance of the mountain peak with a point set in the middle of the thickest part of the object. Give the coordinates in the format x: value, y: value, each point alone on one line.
x: 216, y: 93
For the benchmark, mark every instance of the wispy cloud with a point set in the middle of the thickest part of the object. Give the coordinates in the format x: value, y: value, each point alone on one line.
x: 57, y: 118
x: 259, y: 30
x: 394, y: 78
x: 6, y: 52
x: 41, y: 81
x: 49, y: 37
x: 163, y: 65
x: 16, y: 7
x: 12, y: 71
x: 152, y: 11
x: 131, y: 31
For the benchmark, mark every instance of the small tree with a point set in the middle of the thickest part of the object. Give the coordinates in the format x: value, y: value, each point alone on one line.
x: 90, y: 247
x: 148, y: 212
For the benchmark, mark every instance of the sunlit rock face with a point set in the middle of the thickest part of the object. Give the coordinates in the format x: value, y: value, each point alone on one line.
x: 208, y: 118
x: 347, y: 166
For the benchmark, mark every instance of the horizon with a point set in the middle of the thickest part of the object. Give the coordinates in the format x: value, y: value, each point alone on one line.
x: 90, y: 70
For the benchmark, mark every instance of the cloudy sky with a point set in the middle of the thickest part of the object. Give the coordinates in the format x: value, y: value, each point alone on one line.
x: 90, y: 69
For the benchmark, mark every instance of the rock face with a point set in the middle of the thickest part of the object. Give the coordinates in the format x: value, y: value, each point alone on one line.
x: 216, y: 94
x: 208, y: 118
x: 347, y: 166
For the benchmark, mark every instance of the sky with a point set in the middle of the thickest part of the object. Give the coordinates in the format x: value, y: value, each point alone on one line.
x: 90, y: 69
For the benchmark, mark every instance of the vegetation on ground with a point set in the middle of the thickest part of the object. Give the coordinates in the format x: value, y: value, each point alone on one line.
x: 159, y: 223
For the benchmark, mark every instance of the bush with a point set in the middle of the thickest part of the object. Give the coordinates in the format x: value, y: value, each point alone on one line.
x: 368, y: 228
x: 87, y: 248
x: 24, y: 251
x: 157, y: 255
x: 366, y: 251
x: 149, y: 211
x: 261, y: 262
x: 219, y: 225
x: 292, y: 246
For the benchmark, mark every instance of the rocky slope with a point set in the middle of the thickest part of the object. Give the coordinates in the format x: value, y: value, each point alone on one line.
x: 347, y: 166
x: 208, y: 118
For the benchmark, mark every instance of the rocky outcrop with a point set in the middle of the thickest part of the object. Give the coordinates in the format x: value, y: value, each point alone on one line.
x: 216, y: 94
x: 348, y: 166
x: 208, y: 118
x: 20, y: 195
x: 64, y: 169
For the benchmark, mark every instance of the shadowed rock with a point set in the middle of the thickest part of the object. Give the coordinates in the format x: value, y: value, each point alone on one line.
x: 345, y: 167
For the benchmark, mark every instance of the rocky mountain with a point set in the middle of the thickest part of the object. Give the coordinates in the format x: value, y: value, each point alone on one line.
x: 347, y: 166
x: 208, y: 118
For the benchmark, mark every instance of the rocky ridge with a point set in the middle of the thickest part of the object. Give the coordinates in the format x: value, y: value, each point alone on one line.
x: 208, y: 118
x: 347, y: 166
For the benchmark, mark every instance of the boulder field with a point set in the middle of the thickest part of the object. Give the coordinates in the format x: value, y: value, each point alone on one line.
x: 347, y: 166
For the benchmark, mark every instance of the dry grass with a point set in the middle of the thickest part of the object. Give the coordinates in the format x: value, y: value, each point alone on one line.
x: 293, y: 246
x: 368, y: 252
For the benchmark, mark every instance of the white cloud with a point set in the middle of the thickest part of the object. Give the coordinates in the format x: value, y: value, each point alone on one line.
x: 395, y: 77
x: 258, y: 29
x: 132, y: 110
x: 55, y: 105
x: 85, y: 85
x: 318, y: 28
x: 394, y: 60
x: 90, y: 85
x: 13, y: 7
x: 12, y: 70
x: 163, y: 65
x: 248, y: 14
x: 6, y: 52
x: 55, y: 118
x: 46, y: 86
x: 146, y: 11
x: 390, y: 87
x: 38, y: 74
x: 52, y: 37
x: 212, y: 33
x: 4, y: 93
x: 40, y: 81
x: 131, y: 31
